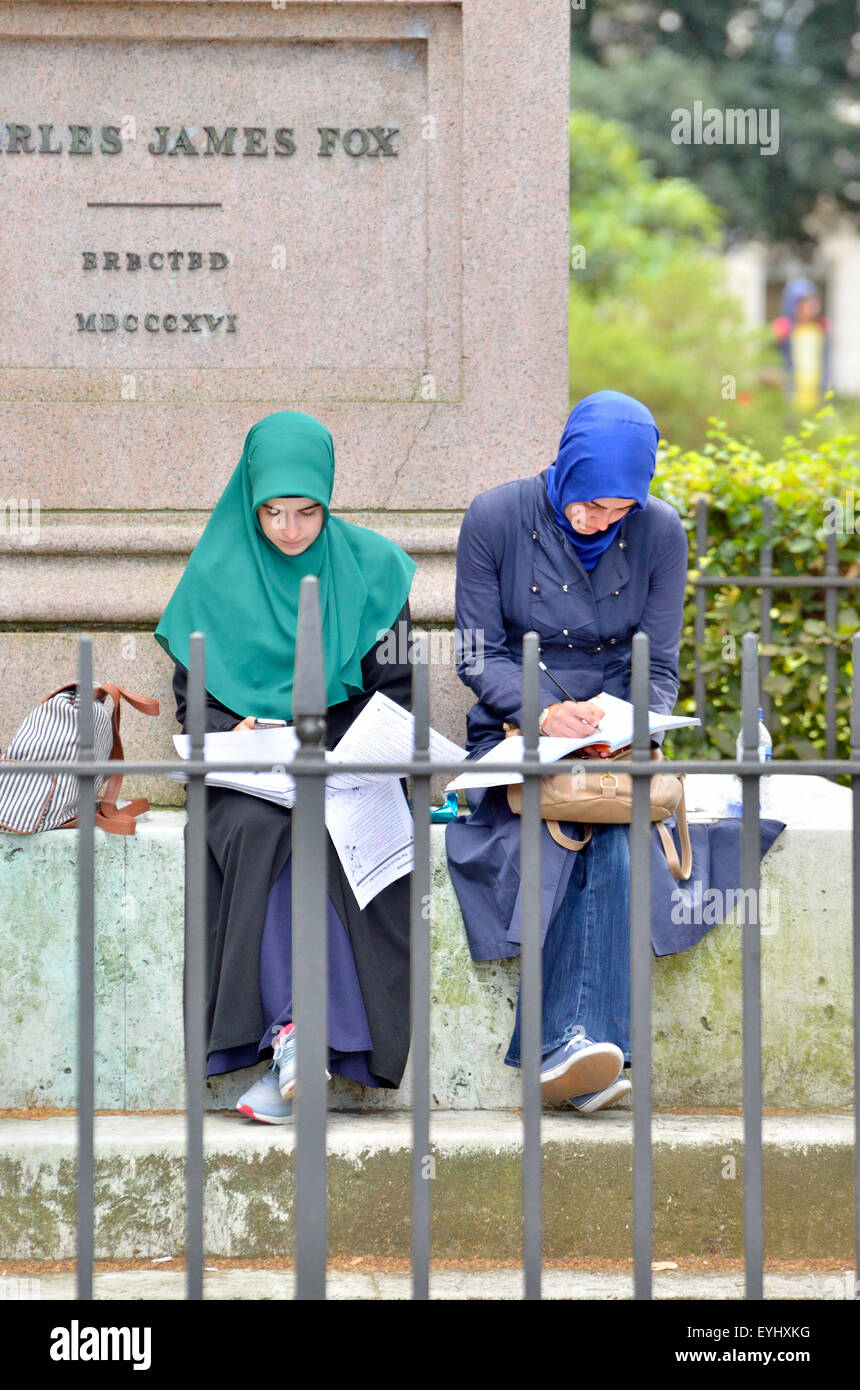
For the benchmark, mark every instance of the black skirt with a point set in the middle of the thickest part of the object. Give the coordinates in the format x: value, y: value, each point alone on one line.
x: 249, y: 841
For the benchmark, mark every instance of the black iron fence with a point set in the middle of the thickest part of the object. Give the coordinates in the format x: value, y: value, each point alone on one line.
x: 769, y: 582
x: 310, y: 948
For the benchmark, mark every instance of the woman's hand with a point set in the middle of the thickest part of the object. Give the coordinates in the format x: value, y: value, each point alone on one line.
x: 573, y: 719
x: 248, y: 723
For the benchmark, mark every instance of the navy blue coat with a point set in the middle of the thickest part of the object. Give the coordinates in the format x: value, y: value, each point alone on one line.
x: 517, y: 572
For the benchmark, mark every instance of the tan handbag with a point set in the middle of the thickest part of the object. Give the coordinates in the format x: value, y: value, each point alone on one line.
x: 605, y: 797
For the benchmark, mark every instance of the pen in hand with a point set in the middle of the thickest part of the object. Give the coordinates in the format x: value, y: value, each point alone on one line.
x: 543, y: 667
x: 547, y: 672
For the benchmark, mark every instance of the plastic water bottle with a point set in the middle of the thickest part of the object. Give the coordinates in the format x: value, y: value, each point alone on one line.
x: 765, y: 753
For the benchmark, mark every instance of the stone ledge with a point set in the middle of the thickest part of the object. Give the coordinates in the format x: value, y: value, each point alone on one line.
x: 477, y: 1186
x: 177, y: 532
x: 89, y: 564
x: 445, y: 1284
x: 696, y: 1028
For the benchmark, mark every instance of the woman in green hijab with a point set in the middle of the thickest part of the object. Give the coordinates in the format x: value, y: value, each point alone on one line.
x: 270, y: 527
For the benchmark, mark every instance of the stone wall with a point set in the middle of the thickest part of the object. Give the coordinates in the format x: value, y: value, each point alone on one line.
x: 381, y: 242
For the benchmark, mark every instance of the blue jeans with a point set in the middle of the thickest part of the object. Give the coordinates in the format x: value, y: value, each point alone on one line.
x: 586, y: 952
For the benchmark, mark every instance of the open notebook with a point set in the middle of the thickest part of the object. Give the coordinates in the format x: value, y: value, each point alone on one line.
x: 381, y: 733
x: 615, y: 731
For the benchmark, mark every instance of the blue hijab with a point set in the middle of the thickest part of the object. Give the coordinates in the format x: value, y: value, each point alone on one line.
x: 794, y: 291
x: 608, y: 449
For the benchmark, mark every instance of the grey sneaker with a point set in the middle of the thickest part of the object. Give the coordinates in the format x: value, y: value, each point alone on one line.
x: 580, y: 1067
x: 285, y: 1060
x: 263, y: 1101
x: 600, y: 1100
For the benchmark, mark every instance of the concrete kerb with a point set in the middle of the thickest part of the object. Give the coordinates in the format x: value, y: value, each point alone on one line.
x: 477, y: 1186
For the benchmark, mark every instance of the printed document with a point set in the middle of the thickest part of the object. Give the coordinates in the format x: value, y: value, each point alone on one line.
x: 367, y: 815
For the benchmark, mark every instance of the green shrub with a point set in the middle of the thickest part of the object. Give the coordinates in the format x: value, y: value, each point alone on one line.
x: 814, y: 484
x: 650, y: 313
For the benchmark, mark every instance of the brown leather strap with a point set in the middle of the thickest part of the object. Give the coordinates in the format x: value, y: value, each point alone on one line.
x: 115, y: 821
x: 145, y: 704
x: 132, y: 808
x: 564, y: 840
x: 682, y: 869
x: 69, y: 685
x: 122, y: 821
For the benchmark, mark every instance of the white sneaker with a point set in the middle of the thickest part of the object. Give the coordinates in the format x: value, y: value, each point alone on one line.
x: 580, y: 1067
x: 600, y: 1100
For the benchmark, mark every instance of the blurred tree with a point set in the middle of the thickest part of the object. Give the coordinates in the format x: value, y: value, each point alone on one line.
x: 629, y: 222
x: 649, y: 309
x: 638, y: 62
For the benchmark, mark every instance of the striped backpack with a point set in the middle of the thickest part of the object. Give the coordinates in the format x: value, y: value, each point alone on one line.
x: 49, y: 801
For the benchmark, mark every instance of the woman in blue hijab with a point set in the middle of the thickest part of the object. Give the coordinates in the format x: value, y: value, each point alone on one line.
x: 584, y: 556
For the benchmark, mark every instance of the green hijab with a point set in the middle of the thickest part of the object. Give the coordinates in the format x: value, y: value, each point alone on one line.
x: 242, y: 591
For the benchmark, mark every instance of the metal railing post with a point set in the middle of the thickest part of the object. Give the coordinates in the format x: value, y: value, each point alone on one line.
x: 750, y: 879
x: 701, y: 595
x: 86, y: 974
x: 420, y: 975
x: 765, y: 602
x: 195, y: 970
x: 640, y: 972
x: 310, y: 948
x: 831, y: 665
x: 531, y: 987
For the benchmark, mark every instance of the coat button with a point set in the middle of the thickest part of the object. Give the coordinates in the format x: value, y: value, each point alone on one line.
x: 564, y: 587
x: 570, y: 646
x: 534, y: 535
x: 564, y: 631
x: 621, y: 545
x: 612, y: 641
x: 598, y: 649
x: 535, y: 588
x: 615, y: 593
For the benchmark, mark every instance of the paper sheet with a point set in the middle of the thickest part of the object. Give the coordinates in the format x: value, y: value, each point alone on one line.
x: 367, y: 815
x: 279, y: 745
x: 383, y: 732
x: 371, y: 830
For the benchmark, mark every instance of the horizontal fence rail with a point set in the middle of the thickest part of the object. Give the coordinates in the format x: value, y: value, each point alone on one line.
x: 310, y: 938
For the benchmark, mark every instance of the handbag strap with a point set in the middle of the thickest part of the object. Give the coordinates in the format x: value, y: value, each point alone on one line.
x: 564, y: 840
x: 681, y: 869
x: 118, y: 821
x: 146, y: 705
